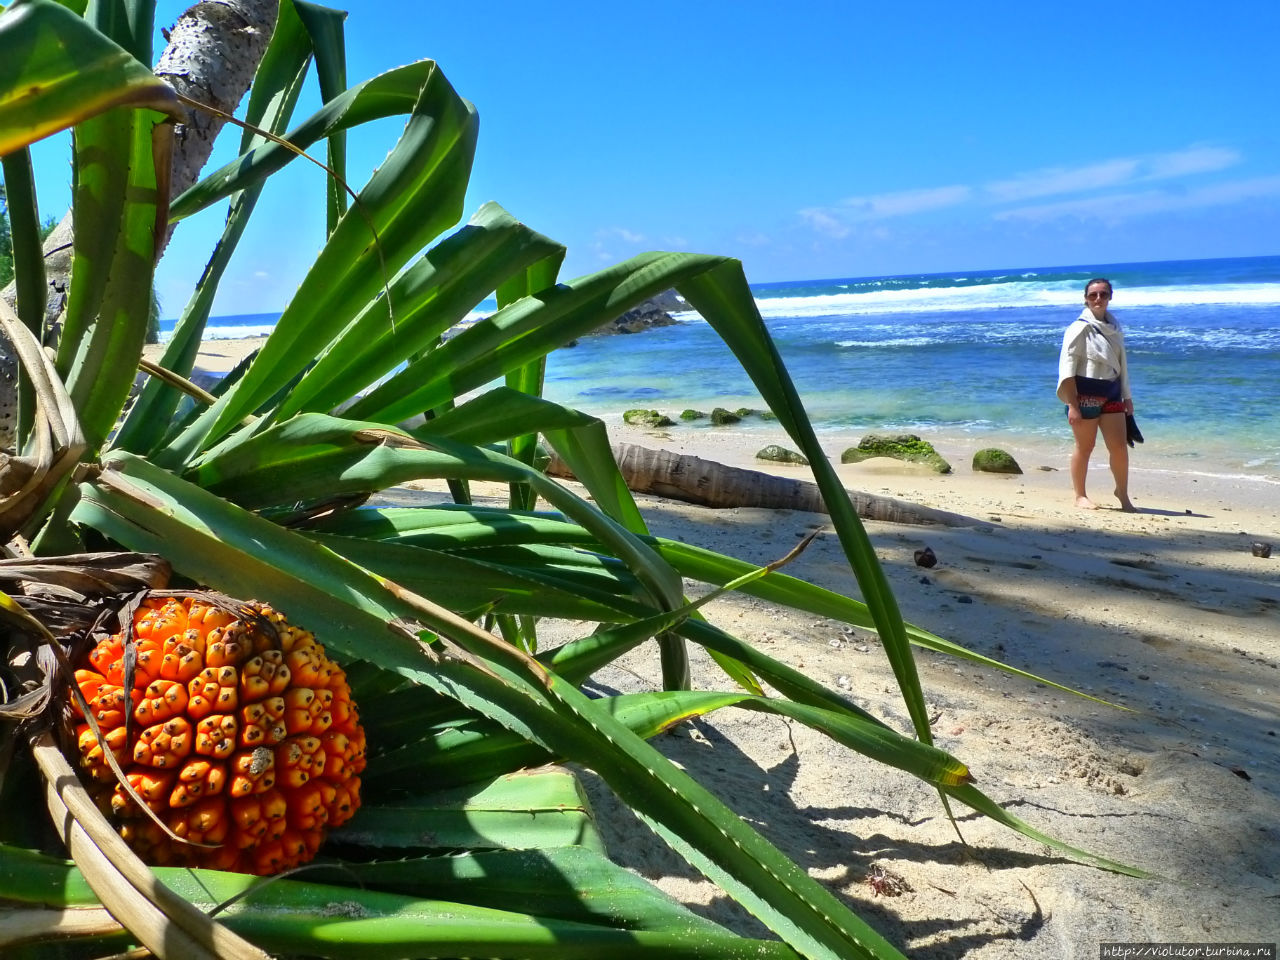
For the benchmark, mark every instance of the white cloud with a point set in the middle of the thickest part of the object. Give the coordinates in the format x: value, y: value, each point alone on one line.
x: 1193, y: 160
x: 1044, y: 183
x: 621, y: 233
x: 834, y: 221
x: 1119, y: 207
x: 823, y: 222
x: 1089, y: 182
x: 1112, y: 173
x: 904, y: 202
x: 261, y: 274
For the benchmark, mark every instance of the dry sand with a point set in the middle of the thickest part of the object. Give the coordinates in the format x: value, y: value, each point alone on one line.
x: 1165, y: 611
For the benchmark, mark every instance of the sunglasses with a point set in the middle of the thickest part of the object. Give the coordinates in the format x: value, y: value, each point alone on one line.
x: 1097, y: 296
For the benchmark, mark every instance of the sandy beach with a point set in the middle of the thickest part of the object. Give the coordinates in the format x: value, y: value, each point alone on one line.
x: 1165, y: 612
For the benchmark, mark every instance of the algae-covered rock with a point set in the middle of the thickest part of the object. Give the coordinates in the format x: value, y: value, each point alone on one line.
x: 768, y: 415
x: 647, y: 418
x: 905, y: 446
x: 692, y: 414
x: 994, y: 460
x: 722, y: 417
x: 782, y: 455
x: 743, y: 412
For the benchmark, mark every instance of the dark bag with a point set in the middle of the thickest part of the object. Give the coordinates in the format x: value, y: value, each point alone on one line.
x: 1132, y: 433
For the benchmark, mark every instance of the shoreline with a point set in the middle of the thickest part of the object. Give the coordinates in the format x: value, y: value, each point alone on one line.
x: 735, y: 445
x: 1165, y: 613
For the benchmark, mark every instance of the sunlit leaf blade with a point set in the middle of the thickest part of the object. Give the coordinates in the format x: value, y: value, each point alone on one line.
x: 326, y: 456
x: 589, y: 591
x: 272, y: 98
x: 413, y: 196
x: 529, y: 378
x: 525, y: 330
x: 451, y: 753
x: 324, y: 27
x: 501, y: 413
x: 429, y: 297
x: 568, y: 883
x: 780, y: 588
x: 507, y: 689
x: 650, y: 713
x: 527, y: 810
x: 388, y: 94
x: 552, y: 893
x: 121, y: 202
x: 446, y: 528
x: 723, y: 298
x: 28, y: 266
x: 983, y: 804
x: 58, y: 71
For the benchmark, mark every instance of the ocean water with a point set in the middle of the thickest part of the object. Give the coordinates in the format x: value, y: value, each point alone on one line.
x: 974, y: 355
x: 970, y: 355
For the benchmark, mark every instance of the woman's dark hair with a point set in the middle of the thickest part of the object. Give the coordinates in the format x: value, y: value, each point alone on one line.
x: 1099, y: 280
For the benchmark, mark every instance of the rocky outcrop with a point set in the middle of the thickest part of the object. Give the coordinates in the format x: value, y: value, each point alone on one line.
x: 721, y: 417
x: 995, y: 460
x: 647, y: 418
x: 644, y: 316
x: 905, y: 446
x: 778, y: 454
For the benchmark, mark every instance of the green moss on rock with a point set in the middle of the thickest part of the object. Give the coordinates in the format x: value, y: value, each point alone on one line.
x: 744, y: 412
x: 995, y: 460
x: 779, y: 454
x: 906, y: 446
x: 692, y: 414
x: 647, y: 418
x: 722, y: 417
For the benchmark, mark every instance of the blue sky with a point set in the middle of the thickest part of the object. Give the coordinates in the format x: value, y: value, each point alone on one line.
x: 816, y: 140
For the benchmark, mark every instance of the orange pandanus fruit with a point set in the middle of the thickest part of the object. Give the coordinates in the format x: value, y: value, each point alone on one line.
x: 242, y: 736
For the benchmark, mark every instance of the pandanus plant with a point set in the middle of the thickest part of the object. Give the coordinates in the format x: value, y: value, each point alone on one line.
x: 218, y: 741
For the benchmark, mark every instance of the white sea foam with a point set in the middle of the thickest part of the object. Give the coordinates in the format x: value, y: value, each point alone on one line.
x: 995, y: 296
x: 897, y: 342
x: 216, y: 332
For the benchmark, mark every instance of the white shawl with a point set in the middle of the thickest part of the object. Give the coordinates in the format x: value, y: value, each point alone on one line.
x: 1100, y: 355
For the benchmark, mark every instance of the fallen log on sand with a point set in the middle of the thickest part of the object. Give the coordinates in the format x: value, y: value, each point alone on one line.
x: 712, y: 484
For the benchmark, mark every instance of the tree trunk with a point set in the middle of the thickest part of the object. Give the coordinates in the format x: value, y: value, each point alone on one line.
x: 213, y: 52
x: 711, y: 484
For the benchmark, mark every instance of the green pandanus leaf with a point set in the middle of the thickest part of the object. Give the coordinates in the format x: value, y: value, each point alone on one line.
x: 568, y: 903
x: 214, y: 542
x: 724, y: 299
x: 469, y: 751
x: 427, y: 171
x: 57, y: 71
x: 430, y: 296
x: 524, y: 331
x: 325, y: 30
x: 272, y: 98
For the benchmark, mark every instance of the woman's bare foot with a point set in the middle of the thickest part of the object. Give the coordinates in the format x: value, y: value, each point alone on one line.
x: 1125, y: 503
x: 1084, y: 503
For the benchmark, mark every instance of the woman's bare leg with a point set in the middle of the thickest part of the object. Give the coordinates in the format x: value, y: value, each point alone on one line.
x: 1115, y: 436
x: 1086, y: 434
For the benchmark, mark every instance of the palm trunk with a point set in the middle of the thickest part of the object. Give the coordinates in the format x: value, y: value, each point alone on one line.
x: 711, y: 484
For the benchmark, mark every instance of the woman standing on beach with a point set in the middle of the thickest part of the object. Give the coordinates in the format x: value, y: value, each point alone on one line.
x: 1093, y: 381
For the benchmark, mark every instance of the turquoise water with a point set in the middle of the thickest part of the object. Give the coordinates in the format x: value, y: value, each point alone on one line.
x: 970, y: 354
x: 975, y: 354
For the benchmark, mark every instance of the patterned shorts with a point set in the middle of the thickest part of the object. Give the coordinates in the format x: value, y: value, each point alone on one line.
x: 1096, y: 397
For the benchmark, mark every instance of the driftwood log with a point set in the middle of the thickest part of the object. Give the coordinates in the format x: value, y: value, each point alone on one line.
x: 712, y: 484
